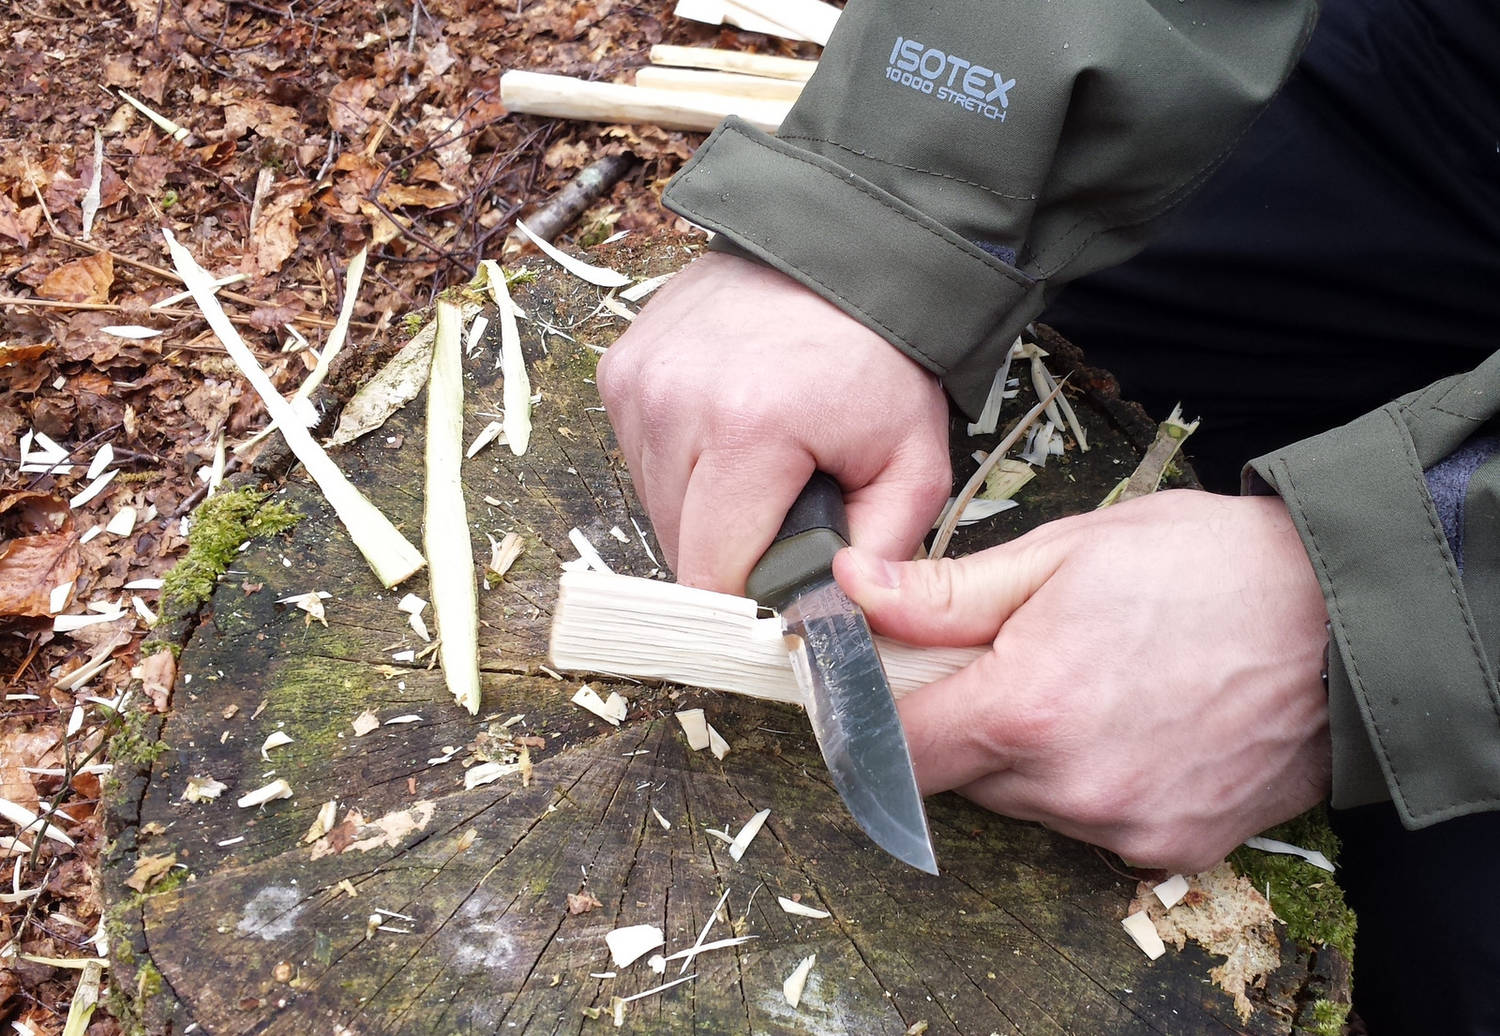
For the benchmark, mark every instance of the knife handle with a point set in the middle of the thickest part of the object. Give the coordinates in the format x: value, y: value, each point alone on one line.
x: 814, y: 531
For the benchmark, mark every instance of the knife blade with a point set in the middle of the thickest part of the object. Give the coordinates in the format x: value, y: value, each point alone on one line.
x: 847, y: 694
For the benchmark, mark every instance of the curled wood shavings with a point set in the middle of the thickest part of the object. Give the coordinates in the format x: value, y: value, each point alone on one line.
x: 629, y: 944
x: 640, y: 290
x: 1271, y: 845
x: 980, y: 508
x: 703, y: 934
x: 445, y: 525
x: 203, y: 789
x: 364, y: 723
x: 612, y: 711
x: 989, y: 414
x: 13, y: 847
x: 488, y: 434
x: 277, y: 789
x: 310, y: 602
x: 322, y: 824
x: 695, y: 727
x: 796, y: 982
x: 276, y: 740
x: 26, y: 820
x: 1143, y: 931
x: 586, y: 551
x: 791, y: 906
x: 389, y: 553
x: 1171, y: 891
x: 600, y: 275
x: 503, y: 554
x: 91, y: 490
x: 666, y: 825
x: 719, y: 944
x: 949, y: 521
x: 516, y: 390
x: 102, y: 459
x: 489, y: 773
x: 747, y: 834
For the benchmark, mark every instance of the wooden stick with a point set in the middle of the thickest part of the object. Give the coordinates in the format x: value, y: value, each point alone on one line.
x: 646, y: 629
x: 445, y: 527
x: 767, y: 65
x: 387, y: 551
x: 730, y: 84
x: 809, y: 19
x: 718, y: 12
x: 568, y: 98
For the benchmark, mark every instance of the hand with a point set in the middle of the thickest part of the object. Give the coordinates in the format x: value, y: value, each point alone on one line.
x: 734, y: 385
x: 1153, y: 685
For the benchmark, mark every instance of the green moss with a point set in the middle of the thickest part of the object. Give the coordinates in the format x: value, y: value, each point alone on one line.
x: 412, y: 323
x: 134, y: 740
x: 148, y: 981
x: 1305, y: 897
x: 219, y: 525
x: 1327, y: 1019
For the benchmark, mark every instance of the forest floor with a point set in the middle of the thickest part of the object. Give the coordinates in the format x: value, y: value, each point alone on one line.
x: 313, y: 128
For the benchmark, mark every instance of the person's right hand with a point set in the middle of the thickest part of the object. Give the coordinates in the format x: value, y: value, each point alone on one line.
x: 734, y: 385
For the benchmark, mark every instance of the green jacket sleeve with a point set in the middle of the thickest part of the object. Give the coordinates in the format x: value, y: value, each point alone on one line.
x: 1413, y: 704
x: 950, y: 164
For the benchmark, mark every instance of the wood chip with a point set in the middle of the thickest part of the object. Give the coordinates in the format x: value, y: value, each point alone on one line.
x: 719, y: 944
x: 586, y: 551
x: 503, y: 554
x: 365, y: 722
x: 1171, y: 891
x: 611, y: 711
x: 488, y: 434
x: 797, y: 980
x: 203, y: 789
x: 277, y: 789
x: 719, y: 746
x: 1143, y: 931
x: 516, y: 389
x: 629, y: 944
x: 791, y: 906
x: 747, y: 834
x: 695, y: 727
x: 276, y: 740
x: 666, y: 825
x: 92, y: 490
x: 322, y: 823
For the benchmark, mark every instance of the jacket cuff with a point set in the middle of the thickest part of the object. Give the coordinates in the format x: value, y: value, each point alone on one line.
x: 1414, y: 720
x: 946, y: 303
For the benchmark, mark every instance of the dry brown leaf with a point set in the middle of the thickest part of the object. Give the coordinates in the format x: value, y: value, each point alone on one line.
x: 149, y: 870
x: 43, y: 553
x: 275, y: 236
x: 582, y: 902
x: 83, y: 280
x: 20, y: 353
x: 271, y: 121
x: 158, y: 672
x: 397, y: 195
x: 348, y: 106
x: 18, y: 224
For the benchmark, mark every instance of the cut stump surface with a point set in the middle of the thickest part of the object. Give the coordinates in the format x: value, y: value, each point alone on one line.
x: 435, y: 909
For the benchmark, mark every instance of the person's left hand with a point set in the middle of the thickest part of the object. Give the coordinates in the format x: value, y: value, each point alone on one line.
x: 1153, y: 684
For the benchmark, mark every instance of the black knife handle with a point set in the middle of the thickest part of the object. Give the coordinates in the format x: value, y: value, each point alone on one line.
x: 814, y: 531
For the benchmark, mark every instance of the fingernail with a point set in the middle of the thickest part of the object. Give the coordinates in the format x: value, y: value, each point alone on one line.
x: 878, y: 570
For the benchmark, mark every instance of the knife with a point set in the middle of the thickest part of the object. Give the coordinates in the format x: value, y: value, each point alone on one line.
x: 848, y: 697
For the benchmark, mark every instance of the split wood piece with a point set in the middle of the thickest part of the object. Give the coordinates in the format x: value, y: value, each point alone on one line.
x: 766, y: 65
x: 1146, y: 478
x: 445, y: 526
x: 567, y: 98
x: 730, y: 84
x: 389, y: 553
x: 647, y: 629
x: 790, y: 19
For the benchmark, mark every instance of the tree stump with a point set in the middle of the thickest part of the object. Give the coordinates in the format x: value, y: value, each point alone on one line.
x: 435, y: 909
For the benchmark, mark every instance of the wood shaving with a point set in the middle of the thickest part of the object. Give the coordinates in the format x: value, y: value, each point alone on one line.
x: 1143, y: 931
x: 695, y: 727
x: 364, y: 723
x: 791, y: 906
x: 716, y: 743
x: 1271, y: 845
x: 1170, y: 892
x: 26, y: 820
x: 488, y: 434
x: 747, y: 834
x: 277, y: 789
x: 796, y: 982
x: 629, y: 944
x: 603, y: 276
x: 203, y: 789
x: 611, y: 711
x: 586, y: 551
x: 322, y: 823
x: 666, y: 825
x: 275, y: 740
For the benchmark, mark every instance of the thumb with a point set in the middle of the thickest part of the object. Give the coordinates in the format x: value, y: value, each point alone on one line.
x: 949, y: 601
